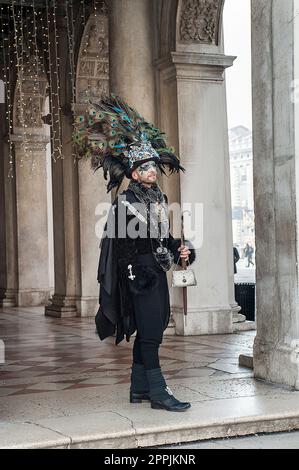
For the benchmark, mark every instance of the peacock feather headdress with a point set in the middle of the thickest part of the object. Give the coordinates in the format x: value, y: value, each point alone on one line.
x: 118, y: 139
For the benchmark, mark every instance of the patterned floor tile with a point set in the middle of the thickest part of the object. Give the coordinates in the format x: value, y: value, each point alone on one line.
x: 15, y: 368
x: 48, y: 386
x: 54, y: 355
x: 102, y: 381
x: 5, y: 391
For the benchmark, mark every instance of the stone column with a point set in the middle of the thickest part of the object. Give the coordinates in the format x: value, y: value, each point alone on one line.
x: 32, y: 222
x: 204, y: 154
x: 131, y: 54
x: 8, y: 225
x: 132, y: 74
x: 92, y: 194
x: 65, y: 191
x: 92, y: 81
x: 193, y: 113
x: 275, y: 148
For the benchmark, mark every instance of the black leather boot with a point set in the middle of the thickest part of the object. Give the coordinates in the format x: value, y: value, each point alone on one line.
x: 139, y: 390
x: 160, y: 394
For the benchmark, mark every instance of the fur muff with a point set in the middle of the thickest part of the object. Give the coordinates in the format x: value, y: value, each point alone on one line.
x: 146, y: 277
x: 145, y: 281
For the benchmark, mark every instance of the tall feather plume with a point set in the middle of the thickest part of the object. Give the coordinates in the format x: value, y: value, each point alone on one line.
x: 106, y: 133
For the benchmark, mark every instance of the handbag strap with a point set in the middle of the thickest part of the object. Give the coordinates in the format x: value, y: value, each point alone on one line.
x: 182, y: 243
x: 177, y: 264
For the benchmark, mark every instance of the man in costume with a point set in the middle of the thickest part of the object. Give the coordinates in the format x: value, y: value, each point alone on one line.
x: 136, y: 249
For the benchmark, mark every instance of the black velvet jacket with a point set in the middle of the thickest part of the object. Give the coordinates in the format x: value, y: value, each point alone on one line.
x: 115, y: 313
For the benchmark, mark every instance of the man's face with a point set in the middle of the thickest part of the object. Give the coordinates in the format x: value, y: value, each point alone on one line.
x: 146, y: 173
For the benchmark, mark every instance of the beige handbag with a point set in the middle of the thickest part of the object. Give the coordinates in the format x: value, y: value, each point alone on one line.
x: 183, y: 277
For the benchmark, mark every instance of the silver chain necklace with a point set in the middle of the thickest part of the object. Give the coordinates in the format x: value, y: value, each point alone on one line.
x: 162, y: 254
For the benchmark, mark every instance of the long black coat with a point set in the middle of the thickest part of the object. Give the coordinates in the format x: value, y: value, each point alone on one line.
x: 116, y: 311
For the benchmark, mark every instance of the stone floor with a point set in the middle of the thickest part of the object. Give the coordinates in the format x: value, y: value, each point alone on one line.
x: 45, y: 354
x: 61, y: 387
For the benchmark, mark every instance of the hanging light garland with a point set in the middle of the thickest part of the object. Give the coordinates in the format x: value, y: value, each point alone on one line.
x: 54, y: 85
x: 69, y: 17
x: 85, y: 32
x: 71, y: 36
x: 19, y: 104
x: 50, y: 66
x: 27, y: 102
x: 83, y: 17
x: 43, y: 35
x: 34, y: 74
x: 33, y: 41
x: 95, y: 13
x: 57, y: 121
x: 36, y: 85
x: 6, y: 54
x: 95, y: 7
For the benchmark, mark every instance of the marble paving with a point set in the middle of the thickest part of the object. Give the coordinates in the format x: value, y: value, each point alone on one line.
x: 44, y: 354
x: 61, y: 387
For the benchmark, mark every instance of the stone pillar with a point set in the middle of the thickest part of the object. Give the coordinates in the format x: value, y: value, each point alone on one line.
x: 65, y: 191
x: 131, y: 54
x: 32, y: 222
x: 275, y: 149
x: 8, y: 225
x: 193, y: 113
x: 204, y: 155
x: 92, y: 193
x: 92, y: 82
x: 132, y: 74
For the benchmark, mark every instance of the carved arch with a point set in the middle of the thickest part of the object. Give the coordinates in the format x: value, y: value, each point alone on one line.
x: 189, y: 22
x: 92, y: 77
x: 199, y: 21
x: 168, y: 20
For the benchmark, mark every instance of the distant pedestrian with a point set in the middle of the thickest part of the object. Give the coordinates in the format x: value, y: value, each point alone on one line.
x: 248, y: 252
x: 236, y: 259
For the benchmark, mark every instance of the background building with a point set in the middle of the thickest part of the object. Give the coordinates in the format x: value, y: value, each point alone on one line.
x: 241, y: 168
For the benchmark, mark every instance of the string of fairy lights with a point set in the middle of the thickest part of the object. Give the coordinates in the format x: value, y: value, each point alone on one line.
x: 51, y: 93
x: 6, y: 57
x: 19, y: 54
x: 29, y: 39
x: 69, y: 17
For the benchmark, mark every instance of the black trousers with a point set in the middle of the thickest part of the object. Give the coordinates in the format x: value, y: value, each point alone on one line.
x: 152, y: 313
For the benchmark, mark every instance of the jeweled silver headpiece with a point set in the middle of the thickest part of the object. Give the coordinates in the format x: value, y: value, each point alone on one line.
x: 143, y: 151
